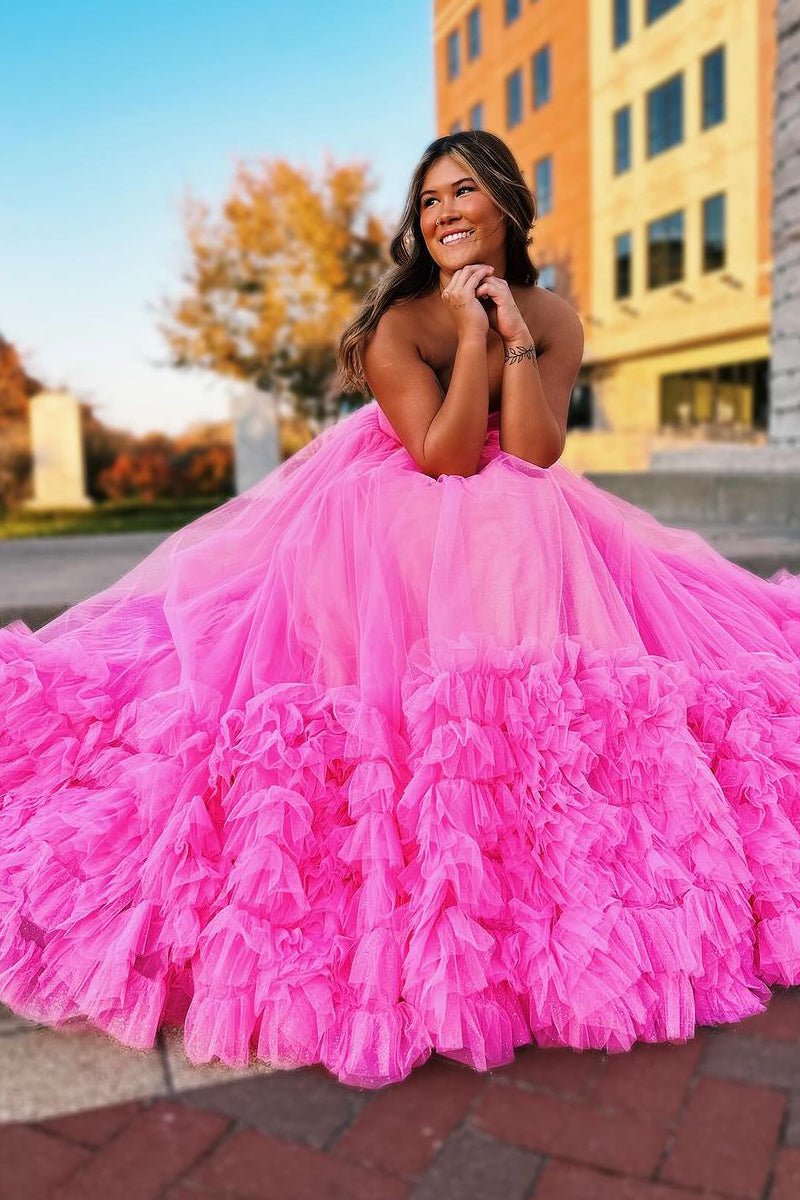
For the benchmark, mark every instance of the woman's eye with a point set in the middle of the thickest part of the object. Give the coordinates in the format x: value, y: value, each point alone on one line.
x: 464, y: 188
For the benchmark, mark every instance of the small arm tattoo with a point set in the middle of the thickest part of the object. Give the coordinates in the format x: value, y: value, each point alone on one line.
x: 517, y: 353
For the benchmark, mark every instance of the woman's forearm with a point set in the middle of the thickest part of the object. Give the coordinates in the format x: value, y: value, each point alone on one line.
x: 457, y: 434
x: 528, y: 428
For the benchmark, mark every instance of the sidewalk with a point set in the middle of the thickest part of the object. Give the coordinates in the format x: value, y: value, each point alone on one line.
x: 40, y: 577
x: 717, y: 1117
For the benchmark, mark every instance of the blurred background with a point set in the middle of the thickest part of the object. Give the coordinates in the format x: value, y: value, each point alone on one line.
x: 195, y: 204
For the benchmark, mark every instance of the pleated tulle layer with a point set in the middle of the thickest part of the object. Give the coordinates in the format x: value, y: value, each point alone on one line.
x: 365, y: 764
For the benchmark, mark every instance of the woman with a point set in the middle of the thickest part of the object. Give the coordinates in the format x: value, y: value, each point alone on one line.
x: 422, y: 743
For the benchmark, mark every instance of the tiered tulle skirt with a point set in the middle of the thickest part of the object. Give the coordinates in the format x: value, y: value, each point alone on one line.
x: 365, y: 764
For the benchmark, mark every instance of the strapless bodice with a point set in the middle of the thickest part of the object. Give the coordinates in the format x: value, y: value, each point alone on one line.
x: 492, y: 425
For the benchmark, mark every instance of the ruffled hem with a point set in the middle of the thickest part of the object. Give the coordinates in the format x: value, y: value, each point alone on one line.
x: 559, y: 845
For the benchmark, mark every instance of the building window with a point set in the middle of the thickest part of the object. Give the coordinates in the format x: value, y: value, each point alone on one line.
x: 543, y: 184
x: 453, y: 57
x: 456, y: 127
x: 547, y: 277
x: 540, y: 74
x: 622, y: 265
x: 476, y: 116
x: 622, y: 139
x: 514, y: 98
x: 713, y: 96
x: 513, y: 8
x: 665, y: 250
x: 622, y: 22
x: 473, y: 33
x: 665, y: 115
x: 714, y: 232
x: 730, y: 396
x: 657, y: 8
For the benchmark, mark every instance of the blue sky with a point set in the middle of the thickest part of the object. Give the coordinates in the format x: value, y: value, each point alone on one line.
x: 111, y: 112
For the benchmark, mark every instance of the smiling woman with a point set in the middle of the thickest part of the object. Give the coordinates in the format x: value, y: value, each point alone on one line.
x: 423, y: 743
x: 482, y: 319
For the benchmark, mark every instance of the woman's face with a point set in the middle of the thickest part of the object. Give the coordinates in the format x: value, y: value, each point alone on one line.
x: 451, y: 196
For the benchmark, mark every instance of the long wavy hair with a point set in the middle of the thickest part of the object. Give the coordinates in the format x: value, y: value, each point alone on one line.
x: 491, y: 163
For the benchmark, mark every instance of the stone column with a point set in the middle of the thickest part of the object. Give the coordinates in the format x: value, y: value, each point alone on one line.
x: 784, y: 414
x: 256, y: 437
x: 59, y: 479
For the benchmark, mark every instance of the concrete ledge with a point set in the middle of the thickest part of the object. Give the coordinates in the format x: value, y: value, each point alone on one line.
x: 706, y: 498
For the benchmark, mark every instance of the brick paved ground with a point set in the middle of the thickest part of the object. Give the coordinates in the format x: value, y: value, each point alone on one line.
x: 716, y: 1118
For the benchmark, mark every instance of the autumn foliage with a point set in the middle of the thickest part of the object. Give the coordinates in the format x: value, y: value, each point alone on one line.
x: 156, y: 467
x: 274, y: 278
x: 16, y: 388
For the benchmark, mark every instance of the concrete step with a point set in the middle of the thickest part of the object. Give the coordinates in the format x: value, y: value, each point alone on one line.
x: 760, y: 549
x: 694, y: 498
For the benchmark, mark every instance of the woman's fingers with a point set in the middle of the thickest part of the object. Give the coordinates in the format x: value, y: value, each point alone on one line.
x: 474, y: 278
x: 465, y: 273
x: 466, y: 278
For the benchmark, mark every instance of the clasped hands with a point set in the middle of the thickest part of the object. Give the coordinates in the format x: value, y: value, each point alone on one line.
x: 478, y: 299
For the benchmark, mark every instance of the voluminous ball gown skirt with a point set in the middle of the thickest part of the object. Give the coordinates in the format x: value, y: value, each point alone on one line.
x: 365, y: 764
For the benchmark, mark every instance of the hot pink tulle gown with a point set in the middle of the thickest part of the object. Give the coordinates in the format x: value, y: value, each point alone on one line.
x: 365, y: 764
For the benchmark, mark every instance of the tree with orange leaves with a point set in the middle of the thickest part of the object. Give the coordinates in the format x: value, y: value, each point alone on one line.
x: 274, y: 279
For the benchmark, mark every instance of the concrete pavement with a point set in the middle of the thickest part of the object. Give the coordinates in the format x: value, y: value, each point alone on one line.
x: 40, y: 577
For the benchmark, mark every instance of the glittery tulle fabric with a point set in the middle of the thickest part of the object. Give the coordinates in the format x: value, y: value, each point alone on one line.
x: 365, y: 764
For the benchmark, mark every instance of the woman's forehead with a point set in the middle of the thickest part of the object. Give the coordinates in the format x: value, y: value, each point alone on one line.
x: 443, y: 173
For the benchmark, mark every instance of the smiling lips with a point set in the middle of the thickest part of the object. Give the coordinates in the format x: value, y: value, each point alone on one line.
x: 456, y: 235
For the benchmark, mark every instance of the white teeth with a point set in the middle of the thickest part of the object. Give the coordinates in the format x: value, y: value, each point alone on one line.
x: 456, y: 237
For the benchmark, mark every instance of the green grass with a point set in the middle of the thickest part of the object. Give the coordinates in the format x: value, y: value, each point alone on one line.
x: 129, y: 516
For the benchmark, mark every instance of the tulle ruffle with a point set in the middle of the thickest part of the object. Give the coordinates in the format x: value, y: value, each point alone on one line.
x: 364, y: 765
x: 559, y: 844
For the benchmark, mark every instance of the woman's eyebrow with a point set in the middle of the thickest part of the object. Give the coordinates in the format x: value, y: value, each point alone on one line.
x: 453, y: 184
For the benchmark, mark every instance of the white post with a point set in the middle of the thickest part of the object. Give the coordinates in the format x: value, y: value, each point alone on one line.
x: 59, y: 479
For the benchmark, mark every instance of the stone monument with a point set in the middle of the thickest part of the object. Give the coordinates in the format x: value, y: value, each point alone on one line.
x: 256, y: 437
x: 59, y: 478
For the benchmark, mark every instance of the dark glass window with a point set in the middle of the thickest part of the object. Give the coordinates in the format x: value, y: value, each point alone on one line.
x: 453, y: 57
x: 473, y: 33
x: 456, y: 126
x: 541, y: 77
x: 713, y: 94
x: 543, y: 184
x: 622, y: 265
x: 514, y: 98
x: 714, y: 232
x: 622, y: 139
x: 728, y: 397
x: 513, y: 9
x: 476, y: 116
x: 665, y: 115
x: 657, y: 8
x: 622, y: 22
x: 665, y: 240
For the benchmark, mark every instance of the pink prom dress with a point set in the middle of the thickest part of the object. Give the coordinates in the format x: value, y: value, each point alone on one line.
x: 365, y: 764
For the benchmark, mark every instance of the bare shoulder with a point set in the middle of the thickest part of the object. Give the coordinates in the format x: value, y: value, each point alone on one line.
x: 557, y: 331
x: 395, y: 333
x: 553, y: 322
x: 404, y: 385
